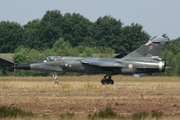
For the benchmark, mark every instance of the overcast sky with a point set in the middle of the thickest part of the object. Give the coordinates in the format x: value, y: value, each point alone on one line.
x: 156, y: 16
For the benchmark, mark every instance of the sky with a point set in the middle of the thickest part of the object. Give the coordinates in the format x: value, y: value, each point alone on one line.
x: 157, y: 17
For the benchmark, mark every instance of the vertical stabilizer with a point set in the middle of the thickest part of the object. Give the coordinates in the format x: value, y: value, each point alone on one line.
x: 151, y: 48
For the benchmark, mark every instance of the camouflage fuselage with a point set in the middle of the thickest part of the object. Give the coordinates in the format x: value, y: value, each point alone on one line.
x: 74, y: 64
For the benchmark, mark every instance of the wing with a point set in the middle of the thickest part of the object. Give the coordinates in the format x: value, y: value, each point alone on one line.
x: 102, y: 63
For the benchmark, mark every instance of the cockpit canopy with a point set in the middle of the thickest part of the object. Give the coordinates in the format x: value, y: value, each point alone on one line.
x: 51, y: 58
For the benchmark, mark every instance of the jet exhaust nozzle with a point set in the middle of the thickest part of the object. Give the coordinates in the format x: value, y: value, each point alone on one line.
x: 162, y: 66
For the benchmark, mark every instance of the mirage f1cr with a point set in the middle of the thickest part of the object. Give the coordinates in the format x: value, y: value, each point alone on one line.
x: 141, y: 62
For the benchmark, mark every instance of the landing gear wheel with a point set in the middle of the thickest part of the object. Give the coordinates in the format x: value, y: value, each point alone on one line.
x: 56, y: 82
x: 104, y: 81
x: 110, y: 82
x: 107, y: 81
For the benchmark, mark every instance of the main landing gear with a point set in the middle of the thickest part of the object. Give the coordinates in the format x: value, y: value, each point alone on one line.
x: 107, y: 80
x: 55, y: 78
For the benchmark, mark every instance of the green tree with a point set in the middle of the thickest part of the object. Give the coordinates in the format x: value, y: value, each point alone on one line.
x: 31, y: 37
x: 171, y: 55
x: 22, y: 54
x: 87, y: 52
x: 10, y: 36
x: 178, y: 64
x: 50, y: 28
x: 133, y: 36
x: 63, y: 48
x: 107, y: 31
x: 77, y: 29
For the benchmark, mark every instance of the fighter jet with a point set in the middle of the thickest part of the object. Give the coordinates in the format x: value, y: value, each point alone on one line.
x: 141, y: 62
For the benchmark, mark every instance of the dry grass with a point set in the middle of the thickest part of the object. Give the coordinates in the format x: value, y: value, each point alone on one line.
x: 84, y: 95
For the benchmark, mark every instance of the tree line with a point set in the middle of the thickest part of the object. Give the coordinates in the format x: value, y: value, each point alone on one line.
x: 74, y: 35
x: 41, y: 34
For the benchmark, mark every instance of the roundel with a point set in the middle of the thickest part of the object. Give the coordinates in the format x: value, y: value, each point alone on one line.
x: 150, y: 47
x: 130, y: 66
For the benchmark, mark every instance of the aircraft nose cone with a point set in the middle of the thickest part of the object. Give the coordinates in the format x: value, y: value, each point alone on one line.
x: 24, y: 67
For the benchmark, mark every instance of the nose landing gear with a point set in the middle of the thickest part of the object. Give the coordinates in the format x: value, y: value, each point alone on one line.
x: 55, y: 76
x: 107, y: 80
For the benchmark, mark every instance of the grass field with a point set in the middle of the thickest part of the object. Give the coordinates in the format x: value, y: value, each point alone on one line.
x: 82, y: 96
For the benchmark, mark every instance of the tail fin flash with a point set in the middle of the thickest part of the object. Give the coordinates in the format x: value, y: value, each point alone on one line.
x: 151, y: 48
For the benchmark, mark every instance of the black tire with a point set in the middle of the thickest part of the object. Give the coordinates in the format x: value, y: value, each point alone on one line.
x: 104, y: 82
x: 56, y: 82
x: 111, y: 82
